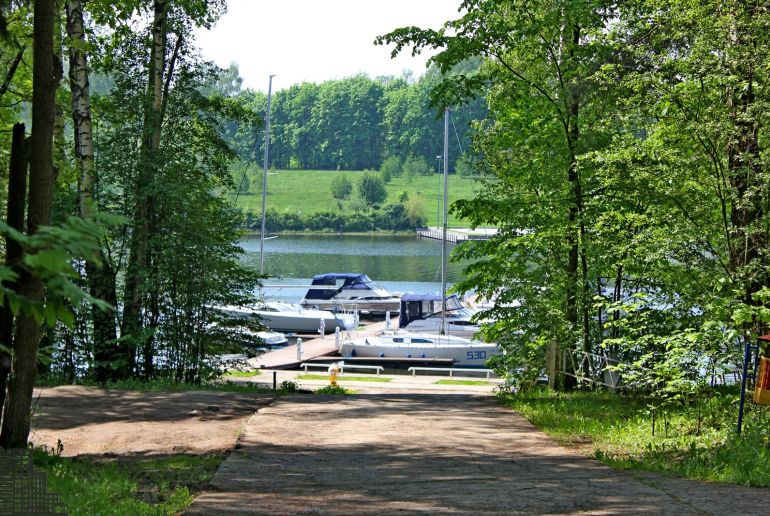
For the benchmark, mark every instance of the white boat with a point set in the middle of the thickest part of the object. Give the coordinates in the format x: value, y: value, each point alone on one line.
x: 399, y: 344
x: 273, y: 338
x: 293, y: 318
x: 424, y: 313
x: 349, y: 291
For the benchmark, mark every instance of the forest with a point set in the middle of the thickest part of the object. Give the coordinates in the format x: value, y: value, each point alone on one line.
x: 622, y: 146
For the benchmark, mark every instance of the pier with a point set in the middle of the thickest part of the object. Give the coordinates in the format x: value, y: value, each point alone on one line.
x: 455, y: 235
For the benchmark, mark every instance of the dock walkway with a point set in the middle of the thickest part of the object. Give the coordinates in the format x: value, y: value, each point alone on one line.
x: 287, y: 358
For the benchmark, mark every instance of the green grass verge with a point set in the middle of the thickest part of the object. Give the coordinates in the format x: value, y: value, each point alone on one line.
x: 462, y: 382
x: 241, y: 374
x: 695, y: 441
x: 343, y: 378
x: 287, y: 191
x: 128, y: 486
x: 161, y: 385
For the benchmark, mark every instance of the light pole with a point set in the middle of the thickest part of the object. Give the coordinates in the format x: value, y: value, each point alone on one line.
x: 264, y: 178
x: 438, y: 192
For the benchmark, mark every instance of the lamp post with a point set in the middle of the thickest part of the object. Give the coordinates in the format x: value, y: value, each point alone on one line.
x: 438, y: 192
x: 264, y: 178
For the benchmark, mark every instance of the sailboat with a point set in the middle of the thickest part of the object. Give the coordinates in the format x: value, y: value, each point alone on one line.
x: 406, y: 345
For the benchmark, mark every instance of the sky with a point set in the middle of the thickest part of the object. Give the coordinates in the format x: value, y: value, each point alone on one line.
x: 317, y: 40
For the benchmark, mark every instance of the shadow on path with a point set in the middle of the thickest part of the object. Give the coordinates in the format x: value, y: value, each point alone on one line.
x: 436, y: 454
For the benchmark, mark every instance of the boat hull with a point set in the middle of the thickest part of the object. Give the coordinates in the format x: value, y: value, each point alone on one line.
x: 379, y: 307
x: 464, y: 352
x: 305, y: 323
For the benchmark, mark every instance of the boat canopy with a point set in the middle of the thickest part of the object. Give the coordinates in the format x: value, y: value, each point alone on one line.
x: 422, y: 306
x: 336, y: 282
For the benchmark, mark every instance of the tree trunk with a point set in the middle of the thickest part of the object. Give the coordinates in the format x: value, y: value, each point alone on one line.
x: 16, y: 419
x: 132, y: 329
x: 17, y: 203
x: 101, y: 281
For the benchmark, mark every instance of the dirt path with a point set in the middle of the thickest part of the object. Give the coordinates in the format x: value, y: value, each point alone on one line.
x: 438, y: 453
x: 91, y: 421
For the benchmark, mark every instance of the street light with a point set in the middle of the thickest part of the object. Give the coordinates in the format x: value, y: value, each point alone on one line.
x: 438, y: 192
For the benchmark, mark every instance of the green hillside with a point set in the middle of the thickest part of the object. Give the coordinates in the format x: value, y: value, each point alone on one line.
x: 309, y: 191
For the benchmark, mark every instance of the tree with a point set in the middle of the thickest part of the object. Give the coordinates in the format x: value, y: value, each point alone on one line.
x: 371, y: 189
x: 16, y: 413
x: 341, y: 187
x: 539, y: 60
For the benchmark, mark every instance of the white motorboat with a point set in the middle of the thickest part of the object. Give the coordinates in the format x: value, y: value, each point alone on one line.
x: 350, y: 291
x: 425, y: 313
x: 294, y: 318
x: 400, y: 344
x: 272, y: 338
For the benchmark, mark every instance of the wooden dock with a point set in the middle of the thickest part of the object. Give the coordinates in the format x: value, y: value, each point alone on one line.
x: 456, y: 235
x: 286, y: 358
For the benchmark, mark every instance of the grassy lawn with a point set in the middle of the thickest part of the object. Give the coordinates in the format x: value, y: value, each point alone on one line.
x: 696, y: 441
x: 343, y: 378
x: 463, y: 382
x: 288, y: 190
x: 241, y: 374
x: 133, y: 486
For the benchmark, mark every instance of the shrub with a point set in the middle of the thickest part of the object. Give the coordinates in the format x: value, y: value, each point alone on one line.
x: 371, y: 188
x: 390, y: 168
x: 341, y: 187
x: 416, y: 166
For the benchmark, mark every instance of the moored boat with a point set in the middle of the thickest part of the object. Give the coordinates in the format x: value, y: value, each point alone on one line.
x: 399, y: 344
x: 294, y: 318
x: 350, y: 291
x: 425, y: 313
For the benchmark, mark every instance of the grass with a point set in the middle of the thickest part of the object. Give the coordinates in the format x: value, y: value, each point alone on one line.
x: 462, y: 382
x: 287, y: 190
x: 695, y: 441
x: 163, y: 385
x: 127, y: 486
x: 344, y: 378
x: 241, y: 374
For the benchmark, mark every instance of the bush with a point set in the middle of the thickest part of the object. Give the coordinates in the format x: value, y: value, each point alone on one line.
x: 390, y: 168
x: 371, y: 188
x: 416, y: 166
x: 341, y: 187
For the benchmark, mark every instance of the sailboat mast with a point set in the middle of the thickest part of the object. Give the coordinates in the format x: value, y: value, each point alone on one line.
x: 444, y: 231
x: 264, y: 178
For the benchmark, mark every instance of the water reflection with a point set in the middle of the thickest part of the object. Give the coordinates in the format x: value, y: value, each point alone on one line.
x: 399, y: 263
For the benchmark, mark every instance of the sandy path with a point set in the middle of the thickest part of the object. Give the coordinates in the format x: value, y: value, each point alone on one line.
x: 91, y: 421
x: 439, y: 453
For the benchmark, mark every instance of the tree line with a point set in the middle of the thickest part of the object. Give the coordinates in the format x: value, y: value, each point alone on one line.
x: 354, y: 123
x: 626, y: 149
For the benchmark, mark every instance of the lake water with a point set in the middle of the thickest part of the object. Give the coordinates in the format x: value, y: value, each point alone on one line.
x: 398, y: 263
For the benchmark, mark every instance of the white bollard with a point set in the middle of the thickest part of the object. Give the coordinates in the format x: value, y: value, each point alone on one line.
x: 387, y: 321
x: 322, y: 327
x: 337, y: 337
x: 355, y: 318
x: 299, y: 350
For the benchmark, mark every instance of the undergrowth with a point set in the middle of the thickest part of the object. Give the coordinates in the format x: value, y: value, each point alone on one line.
x: 696, y: 440
x: 127, y: 486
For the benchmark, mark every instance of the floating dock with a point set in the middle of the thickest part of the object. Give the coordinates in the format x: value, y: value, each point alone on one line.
x: 287, y: 357
x: 456, y: 235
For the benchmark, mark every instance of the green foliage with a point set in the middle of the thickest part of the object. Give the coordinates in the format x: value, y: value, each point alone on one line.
x: 134, y: 486
x: 335, y: 390
x: 390, y: 168
x: 416, y: 166
x: 341, y: 187
x: 694, y: 439
x: 288, y: 387
x: 371, y: 188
